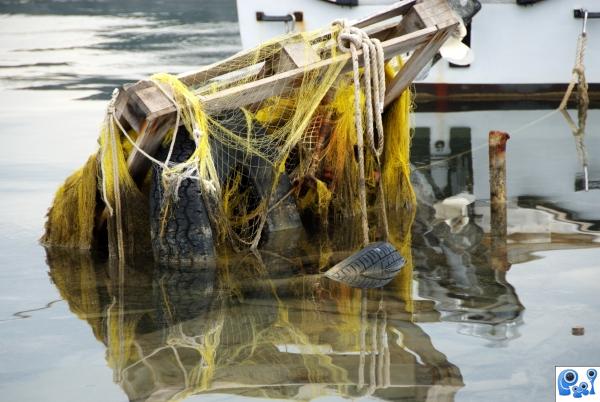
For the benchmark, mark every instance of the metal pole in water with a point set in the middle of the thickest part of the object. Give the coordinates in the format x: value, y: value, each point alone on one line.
x: 498, y: 212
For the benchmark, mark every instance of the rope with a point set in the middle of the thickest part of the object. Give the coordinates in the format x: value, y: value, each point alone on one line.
x: 109, y: 120
x: 351, y: 39
x: 116, y: 185
x: 578, y: 130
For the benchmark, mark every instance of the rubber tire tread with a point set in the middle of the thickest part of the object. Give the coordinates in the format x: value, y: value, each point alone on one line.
x: 373, y: 266
x: 187, y: 236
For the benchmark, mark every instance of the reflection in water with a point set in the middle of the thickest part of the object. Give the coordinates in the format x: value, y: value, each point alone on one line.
x: 458, y: 274
x: 93, y: 47
x: 239, y: 329
x: 269, y: 325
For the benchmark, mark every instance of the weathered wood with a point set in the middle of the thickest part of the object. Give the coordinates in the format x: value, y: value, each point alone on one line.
x: 414, y: 65
x: 146, y: 108
x: 395, y: 10
x: 148, y: 102
x: 498, y: 201
x: 435, y: 13
x: 203, y: 74
x: 150, y: 142
x: 260, y: 90
x: 296, y: 55
x: 153, y: 103
x: 424, y: 14
x: 497, y: 162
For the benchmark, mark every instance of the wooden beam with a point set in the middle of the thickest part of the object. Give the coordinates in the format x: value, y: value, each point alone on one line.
x: 145, y: 107
x: 149, y: 140
x: 435, y: 13
x: 259, y: 90
x: 147, y: 102
x: 392, y: 11
x: 297, y: 55
x: 414, y: 65
x: 230, y: 64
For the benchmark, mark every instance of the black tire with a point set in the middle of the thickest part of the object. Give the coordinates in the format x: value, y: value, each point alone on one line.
x: 185, y: 237
x: 372, y: 267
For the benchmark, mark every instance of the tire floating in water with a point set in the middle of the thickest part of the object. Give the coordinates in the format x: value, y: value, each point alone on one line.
x: 372, y: 267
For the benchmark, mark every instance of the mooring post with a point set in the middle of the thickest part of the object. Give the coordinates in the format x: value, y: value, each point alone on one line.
x: 498, y: 212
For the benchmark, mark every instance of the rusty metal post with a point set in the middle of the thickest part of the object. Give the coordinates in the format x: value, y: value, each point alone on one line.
x: 498, y: 200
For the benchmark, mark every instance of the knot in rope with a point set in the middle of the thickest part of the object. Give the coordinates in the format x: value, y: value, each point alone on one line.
x: 352, y: 39
x: 110, y: 109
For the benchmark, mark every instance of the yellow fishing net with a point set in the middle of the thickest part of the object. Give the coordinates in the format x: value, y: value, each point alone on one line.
x: 293, y: 142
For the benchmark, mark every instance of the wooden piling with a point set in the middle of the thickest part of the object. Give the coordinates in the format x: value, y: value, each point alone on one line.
x: 498, y: 212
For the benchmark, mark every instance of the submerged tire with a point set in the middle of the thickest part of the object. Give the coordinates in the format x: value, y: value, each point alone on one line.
x: 185, y: 236
x: 372, y: 267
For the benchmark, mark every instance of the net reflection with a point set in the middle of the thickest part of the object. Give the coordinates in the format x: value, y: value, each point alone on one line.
x: 244, y: 327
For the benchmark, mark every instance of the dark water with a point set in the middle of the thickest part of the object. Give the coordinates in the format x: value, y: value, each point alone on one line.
x: 457, y: 325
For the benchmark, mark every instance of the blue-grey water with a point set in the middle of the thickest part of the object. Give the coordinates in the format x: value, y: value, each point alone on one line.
x: 452, y: 329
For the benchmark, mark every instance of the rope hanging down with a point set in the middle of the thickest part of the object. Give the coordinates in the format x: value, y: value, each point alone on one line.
x: 583, y: 99
x: 351, y: 39
x: 578, y: 129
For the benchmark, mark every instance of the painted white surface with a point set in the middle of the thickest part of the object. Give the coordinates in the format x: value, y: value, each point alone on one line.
x: 541, y: 160
x: 512, y: 44
x: 534, y: 44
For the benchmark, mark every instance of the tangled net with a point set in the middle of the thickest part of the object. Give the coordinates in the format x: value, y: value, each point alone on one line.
x: 298, y: 145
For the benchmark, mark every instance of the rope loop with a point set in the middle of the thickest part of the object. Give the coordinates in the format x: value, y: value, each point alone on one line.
x: 352, y: 39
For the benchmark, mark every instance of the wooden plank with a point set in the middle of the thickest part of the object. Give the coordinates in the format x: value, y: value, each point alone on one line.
x: 149, y: 140
x: 142, y: 102
x: 414, y: 65
x: 259, y: 90
x: 436, y: 13
x: 162, y: 120
x: 296, y: 55
x: 153, y: 104
x: 410, y: 22
x: 230, y: 64
x: 394, y: 10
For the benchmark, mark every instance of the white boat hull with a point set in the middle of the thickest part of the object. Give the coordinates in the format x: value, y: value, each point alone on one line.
x: 522, y: 45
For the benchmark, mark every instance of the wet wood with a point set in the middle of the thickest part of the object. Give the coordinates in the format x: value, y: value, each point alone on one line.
x: 414, y: 65
x: 498, y: 200
x: 138, y: 163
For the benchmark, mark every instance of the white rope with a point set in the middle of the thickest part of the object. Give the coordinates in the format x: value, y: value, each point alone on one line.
x: 108, y: 122
x: 350, y: 39
x: 172, y: 174
x: 176, y: 125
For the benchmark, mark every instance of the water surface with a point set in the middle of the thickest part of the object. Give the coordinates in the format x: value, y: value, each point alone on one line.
x: 448, y: 328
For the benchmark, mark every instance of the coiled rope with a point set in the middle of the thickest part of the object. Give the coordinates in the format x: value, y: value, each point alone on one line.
x: 351, y: 39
